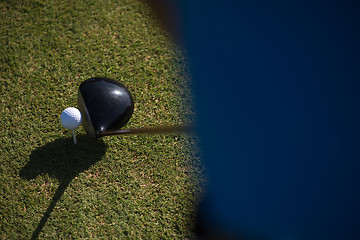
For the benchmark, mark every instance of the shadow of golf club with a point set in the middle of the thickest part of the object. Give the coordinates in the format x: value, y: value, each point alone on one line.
x: 63, y: 160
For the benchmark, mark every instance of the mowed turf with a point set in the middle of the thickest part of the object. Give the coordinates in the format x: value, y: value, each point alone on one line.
x: 139, y: 187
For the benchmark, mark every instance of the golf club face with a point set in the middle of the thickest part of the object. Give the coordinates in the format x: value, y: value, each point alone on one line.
x: 105, y: 105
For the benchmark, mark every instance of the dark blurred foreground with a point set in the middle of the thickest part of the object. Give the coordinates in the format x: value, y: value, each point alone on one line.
x: 277, y: 87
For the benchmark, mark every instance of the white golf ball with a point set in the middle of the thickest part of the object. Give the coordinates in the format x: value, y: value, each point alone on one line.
x: 71, y: 118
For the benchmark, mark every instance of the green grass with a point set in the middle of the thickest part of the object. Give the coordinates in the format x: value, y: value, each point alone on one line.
x: 137, y: 187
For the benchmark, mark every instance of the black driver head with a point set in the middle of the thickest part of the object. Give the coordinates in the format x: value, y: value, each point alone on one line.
x: 105, y: 105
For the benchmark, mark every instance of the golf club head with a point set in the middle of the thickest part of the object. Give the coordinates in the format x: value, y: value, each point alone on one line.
x: 105, y: 105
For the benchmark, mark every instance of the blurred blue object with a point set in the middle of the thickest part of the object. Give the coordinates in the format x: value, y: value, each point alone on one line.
x: 277, y: 87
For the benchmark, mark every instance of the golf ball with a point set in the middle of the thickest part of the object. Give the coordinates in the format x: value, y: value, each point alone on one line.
x: 70, y: 118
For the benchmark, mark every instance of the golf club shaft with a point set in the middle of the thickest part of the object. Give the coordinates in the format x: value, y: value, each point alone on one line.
x: 151, y: 130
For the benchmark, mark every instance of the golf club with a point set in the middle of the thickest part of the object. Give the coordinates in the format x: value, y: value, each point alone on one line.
x: 106, y: 105
x: 150, y: 130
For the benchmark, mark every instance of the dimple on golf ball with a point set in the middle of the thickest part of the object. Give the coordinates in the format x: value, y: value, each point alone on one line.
x: 71, y: 118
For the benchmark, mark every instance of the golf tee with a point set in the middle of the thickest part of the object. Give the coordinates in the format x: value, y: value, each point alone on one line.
x: 74, y: 136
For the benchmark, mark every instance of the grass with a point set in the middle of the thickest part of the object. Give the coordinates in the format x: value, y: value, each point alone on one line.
x: 137, y: 187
